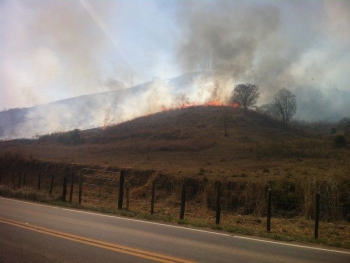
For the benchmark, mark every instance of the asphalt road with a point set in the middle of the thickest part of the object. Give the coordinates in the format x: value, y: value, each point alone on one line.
x: 32, y: 232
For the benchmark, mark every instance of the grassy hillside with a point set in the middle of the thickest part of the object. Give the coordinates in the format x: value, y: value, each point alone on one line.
x: 192, y: 146
x: 192, y: 142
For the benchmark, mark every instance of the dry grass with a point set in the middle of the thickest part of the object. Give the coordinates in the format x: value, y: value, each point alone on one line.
x: 191, y: 142
x: 257, y: 154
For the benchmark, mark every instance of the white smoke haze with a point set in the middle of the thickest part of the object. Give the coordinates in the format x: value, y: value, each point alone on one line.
x: 300, y: 45
x: 114, y: 107
x: 54, y: 50
x: 161, y: 94
x: 267, y: 43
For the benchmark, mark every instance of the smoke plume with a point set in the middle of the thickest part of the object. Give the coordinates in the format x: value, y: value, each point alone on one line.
x: 268, y: 43
x: 55, y: 50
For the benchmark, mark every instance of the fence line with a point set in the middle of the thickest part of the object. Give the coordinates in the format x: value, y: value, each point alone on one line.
x: 221, y: 197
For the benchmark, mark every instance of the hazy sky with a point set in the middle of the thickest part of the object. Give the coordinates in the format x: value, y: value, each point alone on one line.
x: 51, y: 50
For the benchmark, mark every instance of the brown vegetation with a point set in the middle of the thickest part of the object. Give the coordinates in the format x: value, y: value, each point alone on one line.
x: 189, y: 145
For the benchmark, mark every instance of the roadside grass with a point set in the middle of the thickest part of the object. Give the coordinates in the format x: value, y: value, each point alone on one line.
x: 24, y: 193
x: 336, y: 234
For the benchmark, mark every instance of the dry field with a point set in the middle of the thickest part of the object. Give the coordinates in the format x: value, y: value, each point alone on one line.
x: 202, y: 146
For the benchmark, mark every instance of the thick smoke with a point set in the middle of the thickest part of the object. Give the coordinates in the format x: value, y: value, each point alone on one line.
x: 112, y: 107
x: 225, y: 34
x: 270, y: 43
x: 60, y: 49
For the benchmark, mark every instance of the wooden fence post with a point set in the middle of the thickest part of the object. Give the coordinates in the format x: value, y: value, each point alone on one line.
x: 24, y: 179
x: 64, y: 190
x: 100, y: 190
x: 80, y: 186
x: 71, y: 188
x: 19, y: 180
x: 39, y: 180
x: 317, y: 216
x: 218, y: 205
x: 121, y: 189
x: 13, y: 179
x: 52, y: 181
x: 183, y: 202
x: 153, y: 196
x: 225, y: 124
x: 269, y: 210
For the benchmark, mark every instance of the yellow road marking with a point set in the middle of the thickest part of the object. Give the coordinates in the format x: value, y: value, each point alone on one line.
x: 97, y: 243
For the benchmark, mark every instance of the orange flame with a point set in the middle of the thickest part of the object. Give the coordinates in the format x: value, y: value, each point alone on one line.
x: 213, y: 103
x: 235, y: 105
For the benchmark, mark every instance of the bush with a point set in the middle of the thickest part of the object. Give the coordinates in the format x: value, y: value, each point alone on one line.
x: 344, y: 123
x: 70, y: 138
x: 339, y: 141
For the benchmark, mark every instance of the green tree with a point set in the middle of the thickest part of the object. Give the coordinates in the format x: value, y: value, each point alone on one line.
x: 246, y: 95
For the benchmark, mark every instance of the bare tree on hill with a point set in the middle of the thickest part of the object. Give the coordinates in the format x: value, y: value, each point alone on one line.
x: 246, y: 95
x: 285, y: 104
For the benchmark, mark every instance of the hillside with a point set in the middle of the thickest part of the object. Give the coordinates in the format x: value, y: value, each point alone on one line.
x: 189, y: 146
x: 111, y: 107
x: 117, y: 106
x: 192, y: 142
x: 79, y: 112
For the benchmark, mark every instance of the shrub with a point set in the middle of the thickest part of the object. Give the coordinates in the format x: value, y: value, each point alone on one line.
x: 70, y: 138
x: 339, y: 141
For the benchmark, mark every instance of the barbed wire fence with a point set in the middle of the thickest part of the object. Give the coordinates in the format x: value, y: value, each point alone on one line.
x: 101, y: 185
x: 107, y: 188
